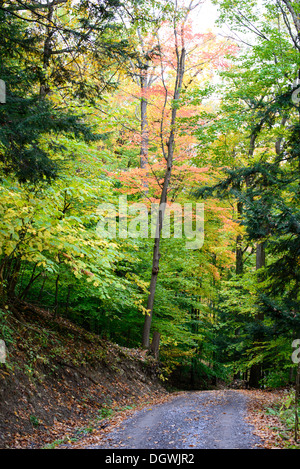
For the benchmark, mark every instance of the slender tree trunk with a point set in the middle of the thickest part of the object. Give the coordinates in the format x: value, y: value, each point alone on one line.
x: 144, y: 123
x: 68, y: 299
x: 56, y: 297
x: 42, y: 287
x: 239, y: 264
x: 163, y: 199
x: 155, y: 264
x: 31, y: 281
x: 44, y: 85
x: 256, y: 369
x: 2, y: 279
x: 192, y: 373
x: 155, y: 344
x: 13, y: 278
x: 260, y: 256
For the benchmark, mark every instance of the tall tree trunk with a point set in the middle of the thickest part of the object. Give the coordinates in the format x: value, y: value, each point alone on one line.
x: 31, y: 281
x: 260, y: 256
x: 144, y: 123
x: 68, y: 299
x: 13, y: 277
x: 55, y: 309
x: 163, y: 199
x: 42, y: 287
x: 2, y: 281
x: 44, y: 85
x: 239, y: 264
x: 256, y: 369
x: 155, y: 344
x: 156, y: 255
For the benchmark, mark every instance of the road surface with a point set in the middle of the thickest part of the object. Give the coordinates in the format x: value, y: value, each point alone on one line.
x: 198, y: 420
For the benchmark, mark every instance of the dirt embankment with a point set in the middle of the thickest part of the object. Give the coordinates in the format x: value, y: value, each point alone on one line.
x: 58, y: 377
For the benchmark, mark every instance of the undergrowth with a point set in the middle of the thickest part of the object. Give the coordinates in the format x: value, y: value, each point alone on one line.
x: 285, y: 411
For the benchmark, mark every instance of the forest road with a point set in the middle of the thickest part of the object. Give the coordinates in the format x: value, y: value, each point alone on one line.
x: 198, y: 420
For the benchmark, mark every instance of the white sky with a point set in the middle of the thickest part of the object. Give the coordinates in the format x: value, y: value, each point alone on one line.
x: 206, y: 16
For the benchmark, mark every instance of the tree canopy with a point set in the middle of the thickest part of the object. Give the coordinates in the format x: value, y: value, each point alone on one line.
x: 110, y: 102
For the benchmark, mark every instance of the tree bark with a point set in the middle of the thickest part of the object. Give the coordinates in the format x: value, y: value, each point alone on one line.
x: 44, y: 85
x: 260, y: 256
x: 256, y: 369
x: 55, y: 309
x: 155, y: 344
x: 239, y: 264
x: 13, y: 278
x: 144, y: 123
x: 163, y: 199
x: 31, y: 281
x: 68, y: 299
x: 42, y: 287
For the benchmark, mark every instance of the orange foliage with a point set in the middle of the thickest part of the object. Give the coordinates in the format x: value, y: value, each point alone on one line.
x: 204, y: 54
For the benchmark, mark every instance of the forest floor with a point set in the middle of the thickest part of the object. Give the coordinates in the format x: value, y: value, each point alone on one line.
x: 63, y: 387
x: 60, y: 381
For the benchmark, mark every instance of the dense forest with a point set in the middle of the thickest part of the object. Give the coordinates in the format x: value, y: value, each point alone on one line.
x: 150, y: 178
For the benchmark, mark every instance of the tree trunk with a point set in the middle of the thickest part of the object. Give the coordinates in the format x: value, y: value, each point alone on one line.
x: 31, y: 281
x: 239, y: 264
x: 155, y: 344
x: 42, y: 287
x: 56, y: 298
x: 13, y: 277
x: 260, y: 256
x: 163, y: 199
x: 155, y: 265
x: 192, y: 373
x: 68, y: 299
x: 256, y: 369
x: 144, y: 124
x: 44, y: 85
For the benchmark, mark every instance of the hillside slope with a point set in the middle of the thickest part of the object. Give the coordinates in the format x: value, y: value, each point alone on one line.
x: 58, y: 377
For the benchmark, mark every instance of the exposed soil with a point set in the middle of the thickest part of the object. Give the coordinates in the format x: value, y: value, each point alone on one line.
x: 59, y: 377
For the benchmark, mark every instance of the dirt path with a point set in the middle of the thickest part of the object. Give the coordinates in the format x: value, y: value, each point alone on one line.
x: 204, y: 420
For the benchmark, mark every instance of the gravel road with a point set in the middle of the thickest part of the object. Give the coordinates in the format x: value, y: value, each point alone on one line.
x: 199, y: 420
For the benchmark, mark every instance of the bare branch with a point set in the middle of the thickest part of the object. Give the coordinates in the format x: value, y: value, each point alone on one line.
x: 295, y: 17
x: 34, y: 5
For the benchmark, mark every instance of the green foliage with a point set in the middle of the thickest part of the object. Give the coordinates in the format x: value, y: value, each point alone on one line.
x: 254, y: 136
x: 34, y: 420
x: 29, y: 125
x: 6, y: 330
x: 65, y: 134
x: 285, y: 411
x: 276, y: 379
